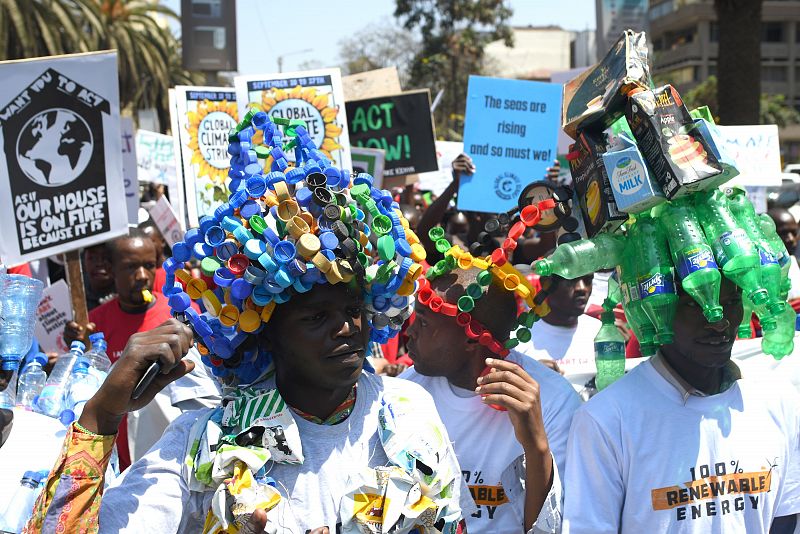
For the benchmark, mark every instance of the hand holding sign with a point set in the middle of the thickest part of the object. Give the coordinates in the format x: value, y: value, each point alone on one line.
x: 462, y: 165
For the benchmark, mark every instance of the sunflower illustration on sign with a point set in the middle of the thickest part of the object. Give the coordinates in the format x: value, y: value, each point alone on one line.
x: 310, y: 105
x: 208, y: 128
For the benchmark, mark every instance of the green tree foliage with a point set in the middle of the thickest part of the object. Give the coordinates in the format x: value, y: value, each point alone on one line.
x: 148, y: 53
x: 454, y: 34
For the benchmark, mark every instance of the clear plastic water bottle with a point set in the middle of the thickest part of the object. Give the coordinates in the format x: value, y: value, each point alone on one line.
x: 31, y: 382
x: 582, y: 257
x: 20, y: 507
x: 609, y: 350
x: 51, y: 399
x: 19, y: 300
x: 98, y: 359
x: 82, y: 387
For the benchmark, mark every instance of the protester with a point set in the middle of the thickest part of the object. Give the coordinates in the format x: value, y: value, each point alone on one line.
x: 564, y: 338
x: 684, y: 443
x: 133, y: 265
x: 98, y: 279
x: 787, y: 228
x: 162, y: 252
x: 489, y: 444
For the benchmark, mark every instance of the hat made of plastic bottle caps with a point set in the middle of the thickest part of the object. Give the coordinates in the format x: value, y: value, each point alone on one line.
x: 282, y: 231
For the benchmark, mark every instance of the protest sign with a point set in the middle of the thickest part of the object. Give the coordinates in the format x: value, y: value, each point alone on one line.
x: 176, y: 185
x: 401, y: 125
x: 155, y: 157
x: 372, y: 83
x: 61, y: 159
x: 437, y: 181
x: 756, y: 151
x: 166, y: 220
x: 313, y: 96
x: 369, y: 160
x: 510, y: 133
x: 129, y: 170
x: 205, y: 115
x: 54, y: 312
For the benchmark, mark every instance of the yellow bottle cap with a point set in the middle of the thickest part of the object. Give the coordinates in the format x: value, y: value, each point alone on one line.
x: 480, y: 263
x: 195, y: 288
x: 308, y: 245
x: 418, y: 253
x: 406, y: 288
x: 334, y: 274
x: 321, y: 262
x: 281, y: 191
x: 183, y: 275
x: 411, y: 237
x: 270, y: 199
x: 414, y: 272
x: 523, y: 292
x: 266, y: 311
x: 249, y: 321
x: 147, y: 296
x: 465, y: 261
x: 211, y: 303
x: 287, y: 209
x: 229, y: 315
x: 297, y: 227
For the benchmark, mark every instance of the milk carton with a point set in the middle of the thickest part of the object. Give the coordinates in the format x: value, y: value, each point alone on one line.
x: 633, y: 188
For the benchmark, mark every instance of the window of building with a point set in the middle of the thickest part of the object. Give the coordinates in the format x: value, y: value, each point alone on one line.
x: 713, y: 31
x: 678, y: 38
x: 681, y: 75
x: 659, y: 10
x: 771, y: 73
x: 207, y: 8
x: 772, y: 32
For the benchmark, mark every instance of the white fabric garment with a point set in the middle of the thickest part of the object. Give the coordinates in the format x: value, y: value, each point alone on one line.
x: 572, y: 348
x: 153, y: 496
x: 198, y: 389
x: 640, y: 459
x: 794, y: 277
x: 484, y: 441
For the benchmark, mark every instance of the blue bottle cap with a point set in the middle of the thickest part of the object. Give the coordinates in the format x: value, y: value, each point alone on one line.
x: 268, y: 263
x: 328, y: 240
x: 215, y: 236
x: 230, y: 223
x: 283, y: 278
x: 201, y: 250
x: 254, y: 248
x: 181, y: 252
x: 192, y: 236
x: 261, y: 296
x: 206, y: 223
x: 238, y: 198
x: 284, y: 252
x: 270, y: 235
x: 249, y: 209
x: 241, y: 289
x: 77, y: 345
x: 303, y: 195
x: 226, y: 250
x: 242, y: 234
x: 179, y: 301
x: 223, y: 277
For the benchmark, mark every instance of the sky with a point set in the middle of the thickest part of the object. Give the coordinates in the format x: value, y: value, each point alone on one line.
x: 264, y: 32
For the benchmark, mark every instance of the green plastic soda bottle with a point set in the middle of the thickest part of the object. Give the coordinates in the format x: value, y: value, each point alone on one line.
x: 778, y: 250
x: 780, y: 341
x: 734, y: 251
x: 609, y: 349
x: 632, y: 304
x: 770, y: 270
x: 582, y: 257
x: 744, y: 331
x: 692, y: 256
x: 655, y: 278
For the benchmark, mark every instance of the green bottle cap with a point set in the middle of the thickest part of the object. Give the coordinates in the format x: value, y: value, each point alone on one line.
x: 543, y: 267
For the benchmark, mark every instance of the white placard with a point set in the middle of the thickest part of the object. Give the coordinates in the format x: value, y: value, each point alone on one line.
x: 437, y: 181
x: 167, y: 221
x: 315, y: 96
x: 129, y: 170
x: 177, y: 190
x: 757, y: 154
x: 369, y: 160
x: 54, y: 312
x: 61, y: 159
x: 155, y: 157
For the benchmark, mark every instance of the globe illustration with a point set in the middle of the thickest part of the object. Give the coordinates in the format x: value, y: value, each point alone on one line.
x: 54, y: 147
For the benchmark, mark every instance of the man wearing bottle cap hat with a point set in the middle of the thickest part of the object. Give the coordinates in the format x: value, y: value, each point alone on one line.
x: 683, y: 443
x: 302, y: 267
x: 490, y: 444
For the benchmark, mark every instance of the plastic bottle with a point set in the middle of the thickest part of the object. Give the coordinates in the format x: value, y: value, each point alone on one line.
x: 745, y: 331
x: 770, y: 270
x: 692, y: 256
x: 98, y: 359
x: 778, y: 250
x: 31, y: 382
x: 20, y: 507
x: 51, y: 399
x: 585, y: 256
x: 8, y: 397
x: 632, y: 304
x: 82, y: 386
x: 609, y: 350
x: 655, y: 278
x: 735, y: 252
x: 780, y: 341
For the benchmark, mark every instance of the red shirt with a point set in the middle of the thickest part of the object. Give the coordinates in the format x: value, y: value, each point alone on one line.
x: 160, y: 280
x: 23, y: 269
x: 118, y: 326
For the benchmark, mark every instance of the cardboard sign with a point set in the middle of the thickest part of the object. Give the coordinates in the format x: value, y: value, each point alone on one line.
x: 756, y: 152
x: 155, y: 157
x: 369, y: 160
x: 372, y: 83
x: 205, y: 115
x: 437, y: 181
x: 401, y: 125
x: 54, y: 312
x: 510, y: 133
x: 129, y: 170
x: 61, y: 182
x: 167, y: 221
x: 177, y: 189
x: 314, y: 96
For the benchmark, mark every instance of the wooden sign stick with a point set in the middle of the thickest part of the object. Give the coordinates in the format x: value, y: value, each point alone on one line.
x: 75, y: 281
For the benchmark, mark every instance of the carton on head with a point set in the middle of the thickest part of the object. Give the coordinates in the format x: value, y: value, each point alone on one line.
x: 634, y: 189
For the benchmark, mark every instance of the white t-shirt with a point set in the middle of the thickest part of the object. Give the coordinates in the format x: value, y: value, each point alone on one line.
x: 484, y: 441
x: 153, y: 494
x: 640, y: 459
x: 571, y: 347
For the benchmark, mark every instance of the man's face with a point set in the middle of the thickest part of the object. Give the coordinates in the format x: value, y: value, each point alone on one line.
x: 98, y: 267
x: 786, y: 227
x: 436, y: 343
x: 319, y: 338
x: 569, y: 297
x: 707, y: 345
x: 134, y: 269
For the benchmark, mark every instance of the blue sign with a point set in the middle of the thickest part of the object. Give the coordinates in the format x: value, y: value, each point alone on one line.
x: 510, y: 132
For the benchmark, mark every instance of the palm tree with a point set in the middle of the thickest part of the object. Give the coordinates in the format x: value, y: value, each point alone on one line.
x: 33, y: 28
